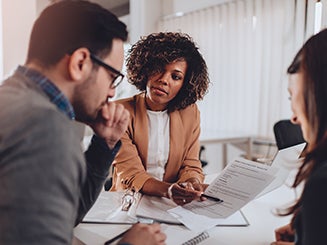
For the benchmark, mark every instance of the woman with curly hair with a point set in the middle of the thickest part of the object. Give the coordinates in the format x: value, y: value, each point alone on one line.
x: 160, y: 149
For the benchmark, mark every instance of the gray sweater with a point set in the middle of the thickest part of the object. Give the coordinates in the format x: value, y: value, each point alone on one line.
x: 47, y: 183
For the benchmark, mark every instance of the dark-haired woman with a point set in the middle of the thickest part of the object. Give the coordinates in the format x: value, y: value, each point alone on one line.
x: 160, y: 150
x: 308, y: 91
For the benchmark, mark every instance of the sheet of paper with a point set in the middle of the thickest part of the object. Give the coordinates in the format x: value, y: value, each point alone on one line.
x: 285, y: 160
x: 238, y: 183
x: 196, y: 222
x: 156, y: 208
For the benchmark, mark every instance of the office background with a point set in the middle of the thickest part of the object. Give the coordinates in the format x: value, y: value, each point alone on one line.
x: 247, y: 44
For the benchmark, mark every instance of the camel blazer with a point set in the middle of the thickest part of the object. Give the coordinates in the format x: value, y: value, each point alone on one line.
x: 183, y: 161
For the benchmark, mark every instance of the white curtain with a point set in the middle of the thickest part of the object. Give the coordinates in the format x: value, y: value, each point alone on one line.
x: 248, y: 45
x: 323, y: 19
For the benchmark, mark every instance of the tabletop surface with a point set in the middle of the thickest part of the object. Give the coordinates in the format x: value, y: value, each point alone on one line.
x: 258, y: 212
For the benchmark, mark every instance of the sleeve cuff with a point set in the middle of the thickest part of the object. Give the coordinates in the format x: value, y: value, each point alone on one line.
x: 103, y: 144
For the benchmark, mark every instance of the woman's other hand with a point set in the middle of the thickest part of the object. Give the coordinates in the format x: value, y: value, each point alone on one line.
x: 284, y: 235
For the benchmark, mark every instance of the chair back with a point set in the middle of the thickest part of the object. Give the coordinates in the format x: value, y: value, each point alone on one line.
x: 287, y: 134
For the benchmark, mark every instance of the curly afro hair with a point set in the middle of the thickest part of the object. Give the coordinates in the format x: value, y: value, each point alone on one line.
x: 152, y: 53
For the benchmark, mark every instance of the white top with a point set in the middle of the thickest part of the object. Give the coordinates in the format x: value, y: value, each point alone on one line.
x: 158, y: 148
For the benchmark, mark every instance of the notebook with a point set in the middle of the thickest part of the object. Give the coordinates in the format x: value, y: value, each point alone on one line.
x: 180, y: 235
x: 197, y: 239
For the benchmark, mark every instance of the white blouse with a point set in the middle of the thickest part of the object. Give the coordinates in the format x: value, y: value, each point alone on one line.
x: 158, y: 148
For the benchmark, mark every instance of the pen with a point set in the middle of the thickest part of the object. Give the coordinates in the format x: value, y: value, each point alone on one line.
x: 120, y: 235
x: 218, y: 200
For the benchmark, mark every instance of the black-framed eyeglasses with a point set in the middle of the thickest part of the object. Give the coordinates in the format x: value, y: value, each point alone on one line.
x: 119, y: 76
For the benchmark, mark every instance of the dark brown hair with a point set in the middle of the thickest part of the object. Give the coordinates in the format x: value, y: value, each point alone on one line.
x: 152, y: 53
x: 311, y: 60
x: 67, y: 25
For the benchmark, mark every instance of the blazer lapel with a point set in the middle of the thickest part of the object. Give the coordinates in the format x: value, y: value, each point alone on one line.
x: 177, y: 142
x: 141, y: 127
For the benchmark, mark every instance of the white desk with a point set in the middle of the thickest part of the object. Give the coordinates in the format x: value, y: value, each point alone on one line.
x: 258, y: 212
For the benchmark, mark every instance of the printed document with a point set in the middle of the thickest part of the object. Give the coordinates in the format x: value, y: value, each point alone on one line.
x: 239, y: 183
x: 156, y: 208
x: 285, y: 160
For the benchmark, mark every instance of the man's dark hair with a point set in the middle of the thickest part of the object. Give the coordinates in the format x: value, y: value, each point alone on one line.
x: 68, y: 25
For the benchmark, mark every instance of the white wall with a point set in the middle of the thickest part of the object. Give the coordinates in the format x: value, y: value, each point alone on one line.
x: 40, y: 5
x: 145, y: 14
x: 18, y: 17
x: 17, y: 20
x: 170, y: 7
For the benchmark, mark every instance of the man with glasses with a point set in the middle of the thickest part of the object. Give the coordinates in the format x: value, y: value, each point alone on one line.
x: 117, y: 78
x: 47, y: 184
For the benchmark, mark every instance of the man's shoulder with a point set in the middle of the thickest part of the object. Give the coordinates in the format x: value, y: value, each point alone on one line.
x: 27, y: 104
x: 18, y: 91
x: 25, y: 109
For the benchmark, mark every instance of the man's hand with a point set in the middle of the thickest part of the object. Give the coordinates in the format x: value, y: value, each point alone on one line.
x: 111, y: 123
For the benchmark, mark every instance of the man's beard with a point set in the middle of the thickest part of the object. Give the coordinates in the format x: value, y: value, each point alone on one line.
x: 83, y: 113
x: 83, y: 117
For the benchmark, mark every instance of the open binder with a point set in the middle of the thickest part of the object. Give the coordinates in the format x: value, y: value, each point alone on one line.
x: 108, y: 209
